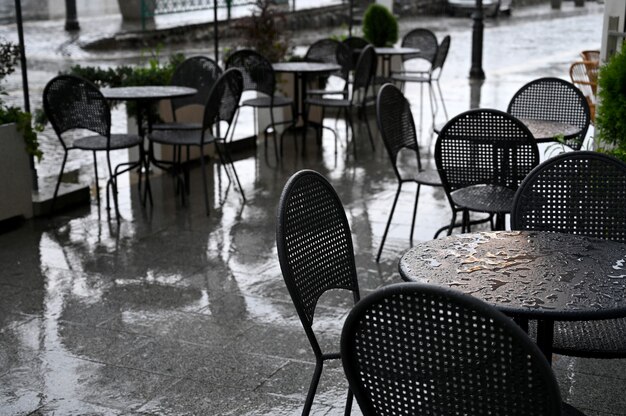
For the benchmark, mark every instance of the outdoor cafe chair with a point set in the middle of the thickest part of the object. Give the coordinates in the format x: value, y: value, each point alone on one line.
x: 482, y: 157
x: 429, y: 77
x: 197, y: 72
x: 584, y: 74
x: 316, y: 255
x: 357, y: 99
x: 219, y: 111
x: 355, y: 44
x: 259, y: 76
x: 580, y: 193
x: 397, y: 128
x: 419, y: 349
x: 424, y: 40
x: 74, y: 104
x: 330, y: 51
x: 553, y: 99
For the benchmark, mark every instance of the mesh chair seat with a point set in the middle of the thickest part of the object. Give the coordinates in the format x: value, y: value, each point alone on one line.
x: 266, y: 102
x: 428, y: 177
x: 118, y: 141
x: 182, y: 137
x: 492, y: 199
x: 328, y: 102
x: 411, y: 77
x: 419, y: 349
x: 177, y: 126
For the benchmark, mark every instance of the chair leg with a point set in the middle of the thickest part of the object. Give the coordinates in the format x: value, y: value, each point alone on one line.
x: 204, y: 180
x: 349, y: 122
x: 349, y: 400
x: 113, y: 181
x: 417, y: 196
x: 443, y: 103
x: 95, y: 168
x: 227, y: 160
x: 319, y: 365
x: 369, y: 130
x: 393, y: 208
x: 451, y: 226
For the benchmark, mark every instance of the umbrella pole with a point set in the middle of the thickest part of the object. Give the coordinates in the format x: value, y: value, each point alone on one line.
x: 215, y: 32
x: 20, y: 35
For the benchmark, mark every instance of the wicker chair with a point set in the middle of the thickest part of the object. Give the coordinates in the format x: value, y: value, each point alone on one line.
x: 395, y: 122
x: 315, y: 252
x: 584, y: 75
x: 416, y: 349
x: 430, y: 76
x: 553, y: 99
x: 482, y: 156
x: 197, y: 72
x: 71, y: 104
x: 219, y: 109
x: 259, y: 76
x: 358, y: 97
x: 578, y: 193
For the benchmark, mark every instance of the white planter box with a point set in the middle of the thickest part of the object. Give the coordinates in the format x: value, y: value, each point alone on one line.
x: 16, y: 182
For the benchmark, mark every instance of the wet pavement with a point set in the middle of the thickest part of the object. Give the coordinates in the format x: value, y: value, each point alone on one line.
x: 172, y: 312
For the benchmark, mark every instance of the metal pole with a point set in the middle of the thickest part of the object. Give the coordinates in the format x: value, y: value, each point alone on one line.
x: 71, y: 17
x: 351, y: 17
x: 476, y: 71
x: 215, y: 33
x: 20, y: 35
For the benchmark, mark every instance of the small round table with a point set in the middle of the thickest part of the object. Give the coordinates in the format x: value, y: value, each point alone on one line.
x: 528, y: 275
x: 387, y: 52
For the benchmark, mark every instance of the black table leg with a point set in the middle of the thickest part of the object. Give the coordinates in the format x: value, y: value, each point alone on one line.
x: 545, y: 335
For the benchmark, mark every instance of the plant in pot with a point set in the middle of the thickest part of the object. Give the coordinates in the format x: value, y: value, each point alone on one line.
x: 18, y: 144
x: 611, y: 111
x: 380, y: 27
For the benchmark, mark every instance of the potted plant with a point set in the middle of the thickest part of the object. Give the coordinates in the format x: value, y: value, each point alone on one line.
x: 380, y: 27
x: 18, y: 143
x: 611, y: 110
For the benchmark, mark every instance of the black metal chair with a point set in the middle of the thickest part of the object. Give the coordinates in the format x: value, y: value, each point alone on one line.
x: 355, y: 44
x: 315, y: 251
x: 553, y: 99
x: 197, y: 72
x: 417, y: 349
x: 431, y: 75
x: 73, y: 104
x: 220, y: 108
x: 259, y: 76
x: 397, y: 128
x: 578, y: 193
x: 424, y: 40
x: 363, y: 75
x: 330, y: 51
x: 482, y: 156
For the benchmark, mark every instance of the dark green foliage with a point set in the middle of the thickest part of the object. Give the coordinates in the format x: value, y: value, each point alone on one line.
x: 9, y: 56
x: 380, y: 27
x: 611, y: 111
x: 265, y: 31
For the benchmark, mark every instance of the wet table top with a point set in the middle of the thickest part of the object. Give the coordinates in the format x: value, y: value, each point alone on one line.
x: 305, y: 67
x: 151, y: 92
x: 534, y: 275
x: 546, y: 130
x: 388, y: 51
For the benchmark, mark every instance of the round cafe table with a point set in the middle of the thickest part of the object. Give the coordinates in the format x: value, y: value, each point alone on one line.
x: 528, y: 275
x: 548, y: 130
x: 387, y: 52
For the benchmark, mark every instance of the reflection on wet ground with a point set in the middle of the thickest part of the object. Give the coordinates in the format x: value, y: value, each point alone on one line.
x: 175, y: 313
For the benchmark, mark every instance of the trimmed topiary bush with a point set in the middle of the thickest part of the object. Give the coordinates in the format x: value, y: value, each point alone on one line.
x: 380, y: 27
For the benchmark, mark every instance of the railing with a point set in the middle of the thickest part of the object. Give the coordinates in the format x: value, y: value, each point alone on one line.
x: 152, y: 8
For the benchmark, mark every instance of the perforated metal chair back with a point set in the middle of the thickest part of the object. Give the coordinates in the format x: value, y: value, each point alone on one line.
x: 440, y: 57
x: 424, y: 40
x: 71, y: 102
x: 414, y: 349
x: 314, y: 243
x: 257, y: 70
x: 197, y: 72
x: 223, y: 100
x: 553, y: 99
x: 364, y: 73
x: 577, y: 193
x: 356, y: 45
x: 484, y: 146
x: 323, y: 50
x: 395, y: 123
